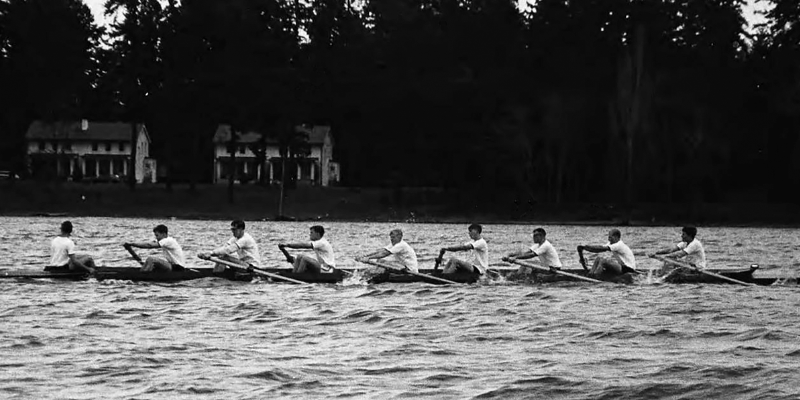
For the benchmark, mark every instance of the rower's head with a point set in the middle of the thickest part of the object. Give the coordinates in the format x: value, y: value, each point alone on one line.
x: 237, y: 228
x: 161, y: 232
x: 316, y: 232
x: 66, y: 227
x: 539, y: 235
x: 614, y: 236
x: 475, y: 231
x: 396, y: 235
x: 688, y: 233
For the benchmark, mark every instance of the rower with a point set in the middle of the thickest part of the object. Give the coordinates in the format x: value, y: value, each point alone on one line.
x: 62, y: 250
x: 479, y: 260
x: 620, y: 261
x: 324, y: 262
x: 403, y: 255
x: 240, y: 249
x: 689, y: 247
x: 173, y: 253
x: 541, y: 248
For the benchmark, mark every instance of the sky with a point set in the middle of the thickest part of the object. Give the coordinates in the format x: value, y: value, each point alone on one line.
x: 97, y: 9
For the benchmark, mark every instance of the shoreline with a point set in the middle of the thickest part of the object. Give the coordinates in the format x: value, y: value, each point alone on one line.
x: 385, y: 205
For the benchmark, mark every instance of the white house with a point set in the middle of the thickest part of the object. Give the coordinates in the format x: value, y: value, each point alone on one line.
x: 91, y: 150
x: 318, y: 168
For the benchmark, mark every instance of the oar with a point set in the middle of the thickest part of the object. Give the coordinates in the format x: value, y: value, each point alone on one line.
x: 557, y: 271
x: 288, y: 256
x: 702, y: 271
x: 581, y: 259
x: 133, y: 253
x: 403, y: 270
x: 257, y: 271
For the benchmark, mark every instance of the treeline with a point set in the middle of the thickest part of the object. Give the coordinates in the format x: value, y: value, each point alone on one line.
x: 591, y: 100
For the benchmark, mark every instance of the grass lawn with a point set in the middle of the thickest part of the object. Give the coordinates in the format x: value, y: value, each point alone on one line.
x: 252, y: 202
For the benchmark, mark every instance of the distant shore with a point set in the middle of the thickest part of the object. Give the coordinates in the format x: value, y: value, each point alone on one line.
x: 251, y: 202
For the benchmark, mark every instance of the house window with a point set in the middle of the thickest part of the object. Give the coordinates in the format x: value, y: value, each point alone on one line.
x: 41, y: 145
x: 94, y: 146
x: 121, y: 146
x: 108, y: 146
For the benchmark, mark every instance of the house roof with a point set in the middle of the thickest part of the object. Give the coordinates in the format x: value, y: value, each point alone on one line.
x: 115, y: 131
x: 316, y: 134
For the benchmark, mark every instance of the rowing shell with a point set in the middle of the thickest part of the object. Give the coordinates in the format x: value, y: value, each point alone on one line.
x: 136, y: 275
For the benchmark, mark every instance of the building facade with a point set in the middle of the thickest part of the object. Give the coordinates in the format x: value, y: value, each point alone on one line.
x: 317, y: 168
x: 84, y: 150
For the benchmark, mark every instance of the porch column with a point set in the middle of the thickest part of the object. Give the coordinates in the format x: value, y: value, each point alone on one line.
x: 313, y: 167
x: 125, y: 167
x: 110, y: 167
x: 271, y: 172
x: 97, y: 168
x: 71, y: 166
x: 83, y: 166
x: 298, y: 171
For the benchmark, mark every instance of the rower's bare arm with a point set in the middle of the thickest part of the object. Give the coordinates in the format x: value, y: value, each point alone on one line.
x: 225, y: 249
x: 143, y: 245
x: 668, y: 251
x: 520, y: 255
x: 593, y: 249
x: 528, y: 254
x: 378, y: 254
x: 298, y: 245
x: 464, y: 247
x: 453, y: 248
x: 677, y: 254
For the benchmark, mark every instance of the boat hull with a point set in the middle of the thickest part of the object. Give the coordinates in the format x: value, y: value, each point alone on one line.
x: 680, y: 276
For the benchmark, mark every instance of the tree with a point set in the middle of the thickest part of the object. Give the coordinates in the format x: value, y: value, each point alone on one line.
x: 45, y: 73
x: 136, y: 71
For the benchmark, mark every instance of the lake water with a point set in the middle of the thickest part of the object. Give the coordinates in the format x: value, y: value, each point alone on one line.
x: 235, y: 340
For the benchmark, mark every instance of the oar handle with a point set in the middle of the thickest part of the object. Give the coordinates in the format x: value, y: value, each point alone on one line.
x: 581, y: 259
x: 133, y: 254
x: 289, y: 257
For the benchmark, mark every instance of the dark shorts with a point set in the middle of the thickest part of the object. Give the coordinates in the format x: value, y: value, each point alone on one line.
x: 177, y: 268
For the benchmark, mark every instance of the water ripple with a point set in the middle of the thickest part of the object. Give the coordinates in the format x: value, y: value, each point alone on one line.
x: 496, y: 340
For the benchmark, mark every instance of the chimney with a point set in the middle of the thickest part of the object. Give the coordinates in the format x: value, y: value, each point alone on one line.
x: 84, y: 124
